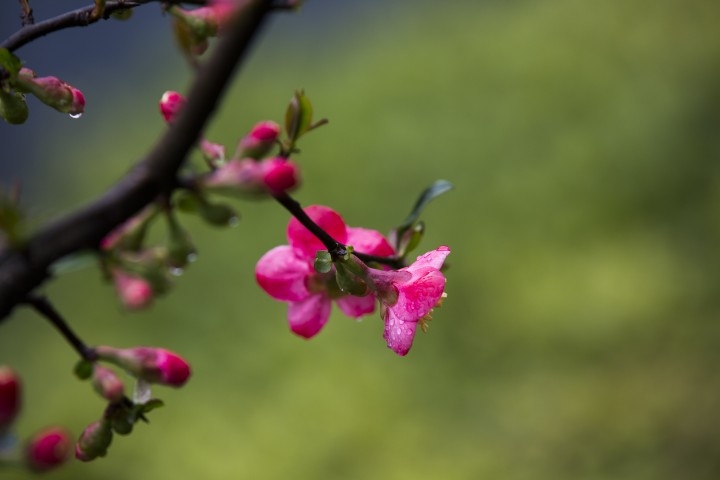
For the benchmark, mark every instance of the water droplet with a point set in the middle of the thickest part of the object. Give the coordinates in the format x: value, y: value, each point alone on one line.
x: 192, y: 257
x: 176, y: 271
x: 233, y: 222
x: 76, y: 115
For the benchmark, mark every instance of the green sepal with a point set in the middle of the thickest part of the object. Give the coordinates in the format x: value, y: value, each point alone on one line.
x: 13, y: 107
x: 350, y: 276
x: 84, y: 369
x: 323, y: 261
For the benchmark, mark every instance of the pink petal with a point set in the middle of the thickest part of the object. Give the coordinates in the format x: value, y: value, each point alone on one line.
x: 399, y: 335
x: 308, y: 316
x: 356, y: 307
x: 282, y: 275
x: 304, y: 242
x: 433, y: 258
x: 420, y: 295
x: 369, y: 241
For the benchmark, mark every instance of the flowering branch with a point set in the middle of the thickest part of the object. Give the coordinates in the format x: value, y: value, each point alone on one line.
x: 22, y: 270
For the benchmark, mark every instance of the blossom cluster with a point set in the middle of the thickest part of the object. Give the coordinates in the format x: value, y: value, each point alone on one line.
x: 407, y: 296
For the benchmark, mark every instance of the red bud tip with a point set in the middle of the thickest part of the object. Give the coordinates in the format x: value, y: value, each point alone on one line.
x: 9, y: 396
x: 170, y: 105
x: 48, y: 449
x: 280, y: 174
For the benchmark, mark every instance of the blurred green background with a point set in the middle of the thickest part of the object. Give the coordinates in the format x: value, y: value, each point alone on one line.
x: 580, y: 335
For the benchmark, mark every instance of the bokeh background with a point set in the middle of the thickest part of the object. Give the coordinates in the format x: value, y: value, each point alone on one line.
x: 580, y: 336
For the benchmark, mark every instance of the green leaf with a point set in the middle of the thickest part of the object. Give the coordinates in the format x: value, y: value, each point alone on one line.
x: 150, y: 405
x: 298, y: 116
x: 10, y: 62
x: 84, y: 369
x: 433, y: 191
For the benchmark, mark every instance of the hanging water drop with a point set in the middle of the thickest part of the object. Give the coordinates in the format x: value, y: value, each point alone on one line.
x: 192, y: 257
x: 176, y: 271
x: 233, y: 221
x: 76, y: 115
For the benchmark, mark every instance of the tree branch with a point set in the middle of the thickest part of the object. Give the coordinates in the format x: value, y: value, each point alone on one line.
x: 76, y: 18
x: 21, y: 271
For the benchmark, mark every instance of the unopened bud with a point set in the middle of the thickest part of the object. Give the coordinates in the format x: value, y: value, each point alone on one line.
x: 214, y: 153
x: 52, y: 92
x: 170, y: 105
x: 94, y: 441
x: 107, y: 384
x: 259, y: 141
x: 48, y: 449
x: 130, y: 234
x: 134, y: 292
x: 154, y: 365
x: 279, y: 174
x: 236, y: 177
x: 9, y: 397
x: 13, y: 107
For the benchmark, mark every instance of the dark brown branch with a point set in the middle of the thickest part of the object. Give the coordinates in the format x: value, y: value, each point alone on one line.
x: 77, y: 18
x: 21, y: 271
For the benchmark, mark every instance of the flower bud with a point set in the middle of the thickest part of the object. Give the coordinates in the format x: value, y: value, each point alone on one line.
x: 94, y: 441
x: 170, y: 105
x: 279, y: 174
x: 52, y: 92
x: 214, y: 153
x: 13, y: 107
x: 236, y: 177
x: 135, y: 292
x: 259, y: 141
x: 48, y: 449
x: 130, y: 234
x: 9, y: 396
x: 107, y: 384
x: 154, y: 365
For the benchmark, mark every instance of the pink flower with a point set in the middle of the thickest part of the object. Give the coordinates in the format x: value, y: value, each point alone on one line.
x: 408, y: 296
x: 48, y: 449
x: 286, y: 272
x: 9, y: 397
x: 154, y: 365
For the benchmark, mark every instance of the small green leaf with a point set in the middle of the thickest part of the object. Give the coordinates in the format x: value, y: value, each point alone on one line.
x: 150, y: 405
x: 84, y: 369
x: 349, y: 281
x: 435, y: 190
x: 10, y: 62
x: 323, y: 261
x: 298, y: 116
x: 187, y: 202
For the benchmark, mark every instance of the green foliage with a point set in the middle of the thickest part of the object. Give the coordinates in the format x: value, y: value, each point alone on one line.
x: 579, y: 339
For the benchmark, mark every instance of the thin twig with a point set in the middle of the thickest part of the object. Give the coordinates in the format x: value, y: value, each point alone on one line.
x: 43, y: 306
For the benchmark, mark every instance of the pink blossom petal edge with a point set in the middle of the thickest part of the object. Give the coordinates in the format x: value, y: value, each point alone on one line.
x: 398, y: 334
x: 419, y: 295
x: 356, y: 307
x: 282, y: 275
x: 308, y: 317
x: 369, y: 241
x: 434, y: 258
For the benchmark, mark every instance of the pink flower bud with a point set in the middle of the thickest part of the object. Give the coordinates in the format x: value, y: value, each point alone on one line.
x: 279, y: 174
x: 9, y: 396
x: 107, y: 384
x: 48, y: 449
x: 170, y: 105
x: 51, y: 91
x: 94, y: 441
x: 154, y: 365
x: 135, y: 292
x: 259, y: 141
